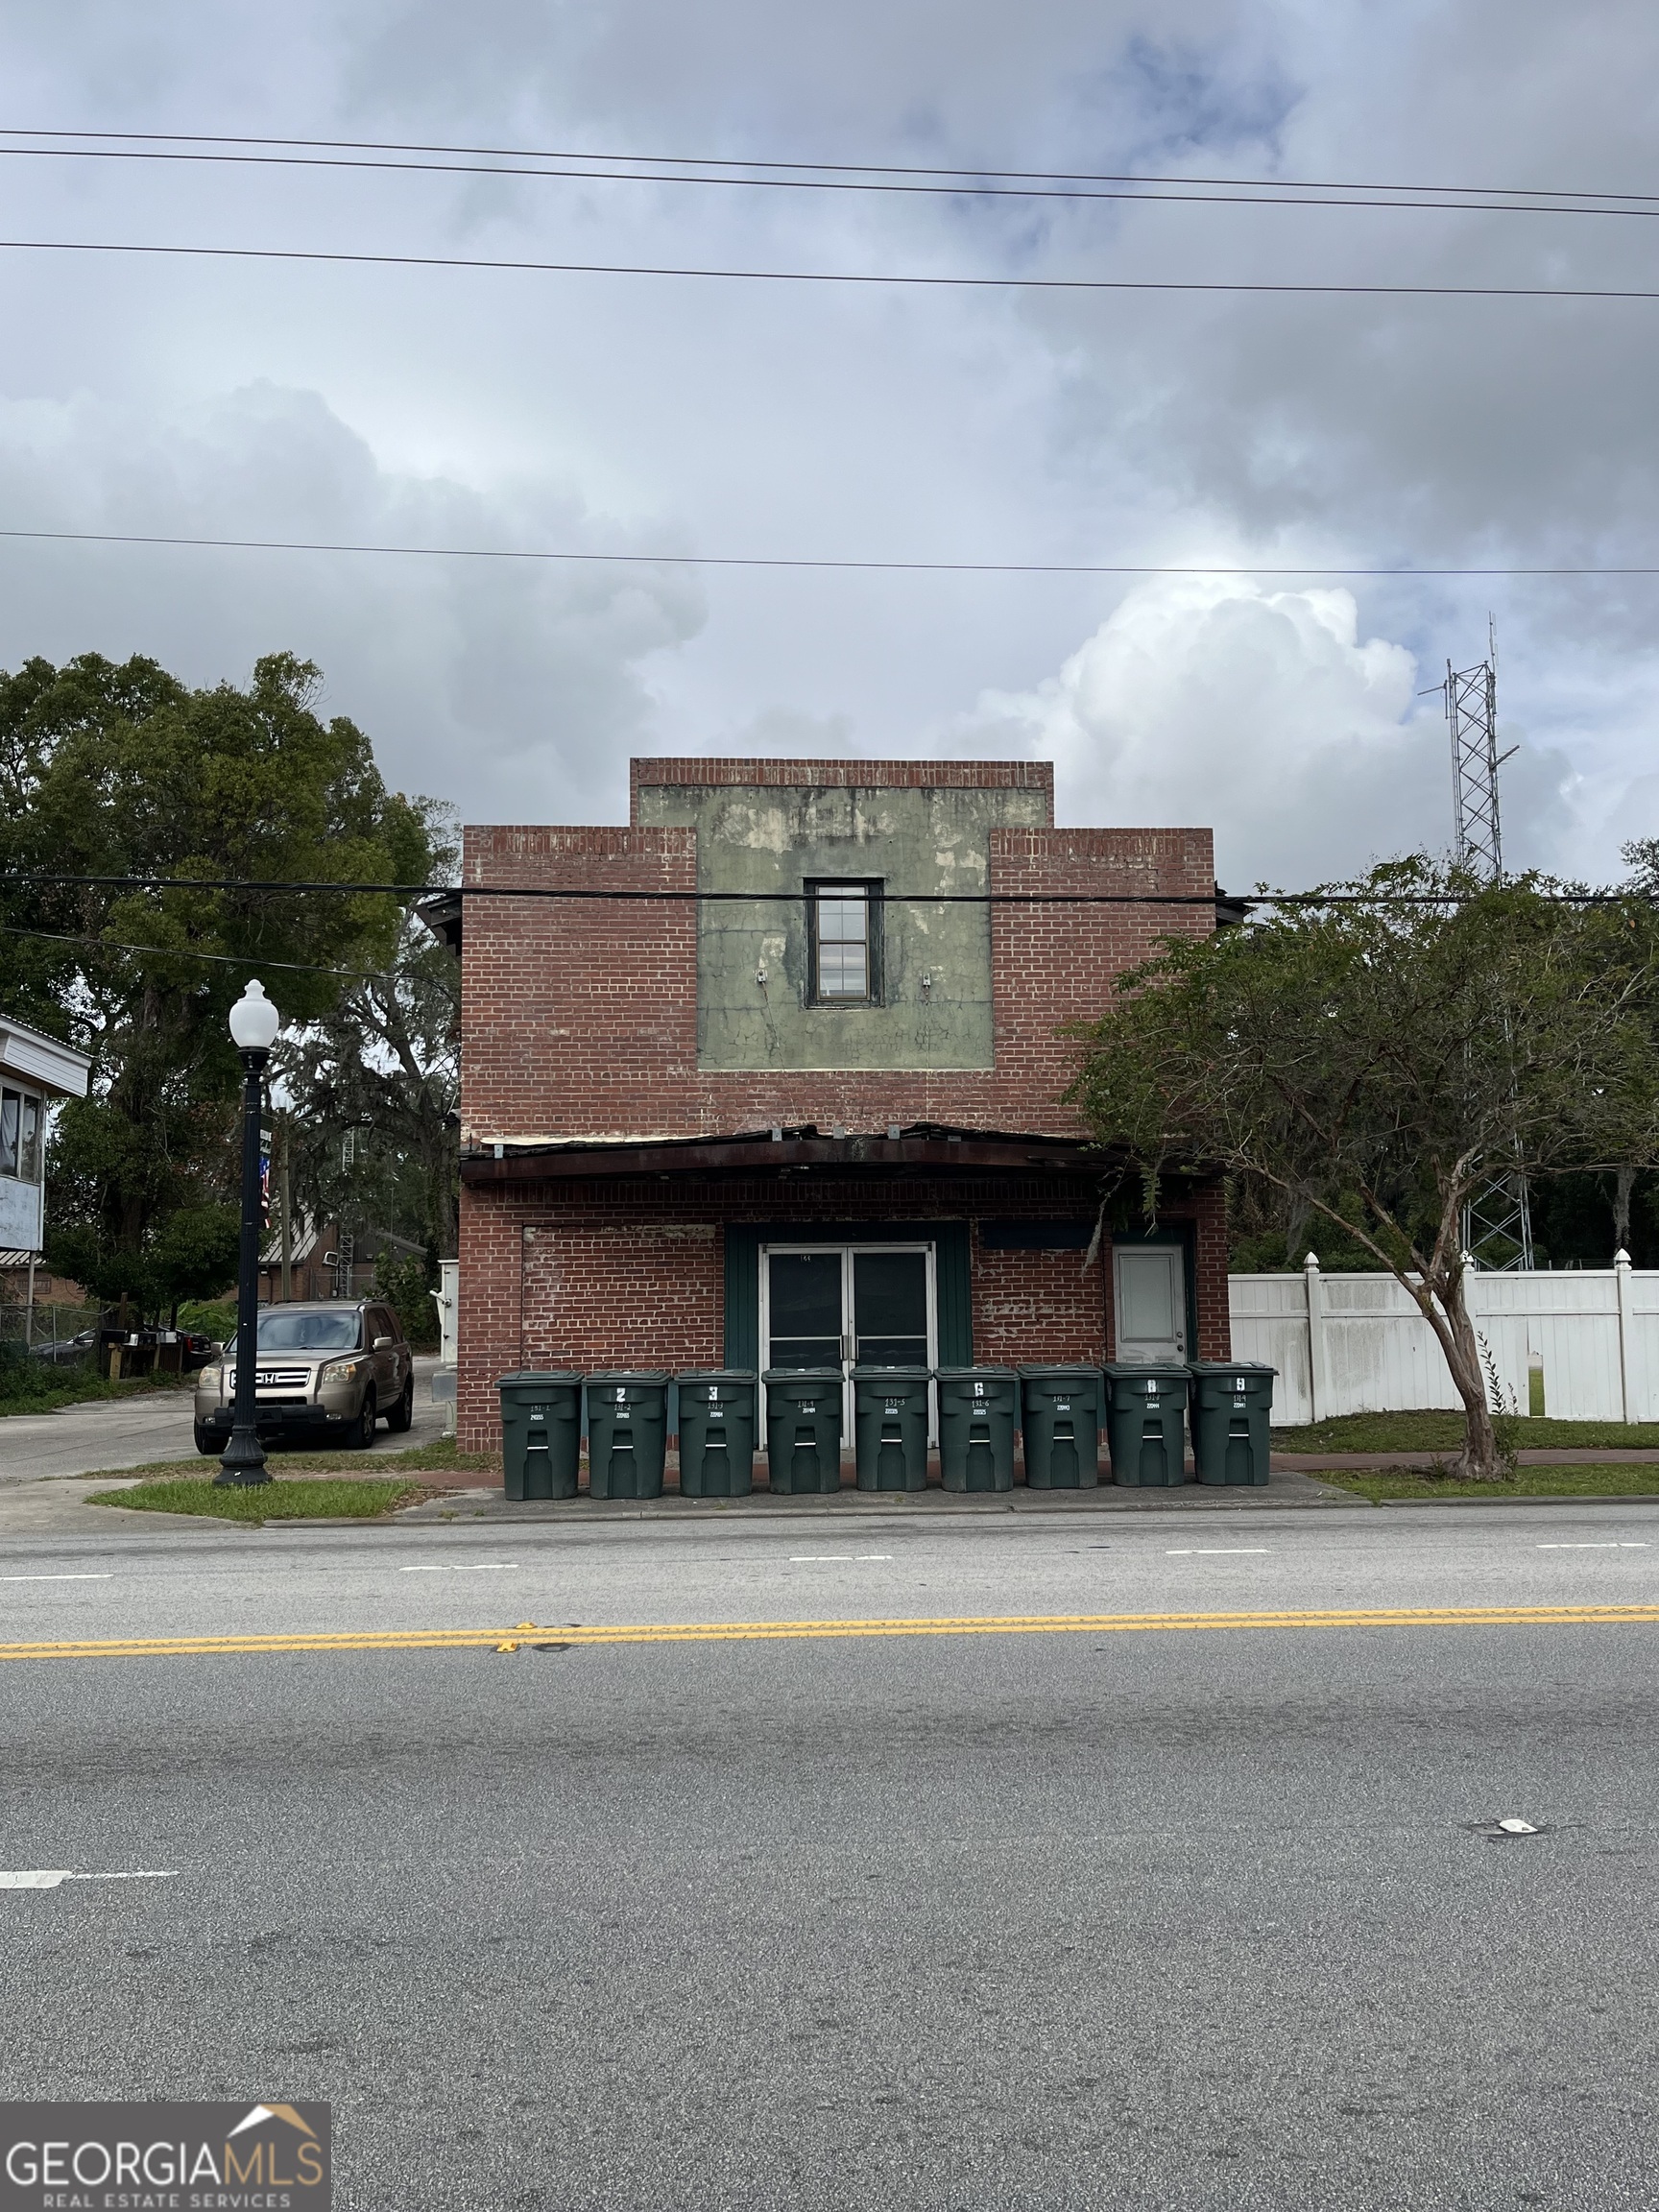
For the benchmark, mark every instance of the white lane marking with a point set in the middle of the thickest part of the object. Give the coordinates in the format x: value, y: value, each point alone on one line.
x: 834, y: 1559
x: 54, y: 1577
x: 1216, y: 1552
x: 1603, y: 1547
x: 1518, y: 1827
x: 446, y: 1567
x: 49, y: 1877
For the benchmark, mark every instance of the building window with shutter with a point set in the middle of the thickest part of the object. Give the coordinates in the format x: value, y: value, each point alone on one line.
x: 844, y: 943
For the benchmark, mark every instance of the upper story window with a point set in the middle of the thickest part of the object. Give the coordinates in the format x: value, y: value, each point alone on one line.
x: 19, y: 1135
x: 844, y: 931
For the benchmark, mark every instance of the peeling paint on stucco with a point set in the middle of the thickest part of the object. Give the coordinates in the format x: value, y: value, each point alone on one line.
x: 752, y: 981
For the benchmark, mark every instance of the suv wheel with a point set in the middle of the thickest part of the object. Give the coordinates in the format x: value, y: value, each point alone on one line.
x: 402, y: 1415
x: 362, y: 1434
x: 206, y: 1442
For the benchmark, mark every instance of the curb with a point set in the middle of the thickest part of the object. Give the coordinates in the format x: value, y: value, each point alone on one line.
x: 577, y: 1513
x: 1564, y: 1498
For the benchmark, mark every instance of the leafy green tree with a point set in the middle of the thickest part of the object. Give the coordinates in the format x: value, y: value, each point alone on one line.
x: 123, y: 771
x: 374, y: 1086
x: 1396, y: 1042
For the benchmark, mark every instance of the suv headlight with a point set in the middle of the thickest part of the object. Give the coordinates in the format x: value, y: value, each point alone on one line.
x: 340, y: 1371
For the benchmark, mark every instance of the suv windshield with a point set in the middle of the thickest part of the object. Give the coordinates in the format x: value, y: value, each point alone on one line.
x: 289, y: 1331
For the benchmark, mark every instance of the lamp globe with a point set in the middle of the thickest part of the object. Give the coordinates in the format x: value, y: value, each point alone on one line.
x: 253, y: 1021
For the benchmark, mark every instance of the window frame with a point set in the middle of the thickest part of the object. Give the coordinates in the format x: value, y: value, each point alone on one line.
x: 870, y: 889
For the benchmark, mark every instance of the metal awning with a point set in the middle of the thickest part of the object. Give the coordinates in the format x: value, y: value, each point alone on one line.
x: 924, y: 1146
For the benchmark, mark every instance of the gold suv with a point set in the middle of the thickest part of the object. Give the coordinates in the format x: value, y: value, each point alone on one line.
x: 327, y: 1370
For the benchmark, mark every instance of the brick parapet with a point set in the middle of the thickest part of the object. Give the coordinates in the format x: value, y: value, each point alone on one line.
x: 728, y: 772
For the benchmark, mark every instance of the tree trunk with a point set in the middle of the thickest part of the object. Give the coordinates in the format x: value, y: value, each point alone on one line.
x: 1478, y: 1460
x: 1624, y: 1184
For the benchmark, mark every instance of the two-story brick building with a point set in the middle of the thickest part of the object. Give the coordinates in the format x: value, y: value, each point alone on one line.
x: 775, y: 1079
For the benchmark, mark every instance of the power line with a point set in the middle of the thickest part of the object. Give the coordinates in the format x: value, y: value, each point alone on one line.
x: 834, y: 275
x: 1125, y: 191
x: 875, y: 169
x: 782, y: 561
x: 186, y: 953
x: 1260, y: 896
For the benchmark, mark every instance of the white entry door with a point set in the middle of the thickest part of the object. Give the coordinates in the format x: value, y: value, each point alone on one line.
x: 1149, y: 1283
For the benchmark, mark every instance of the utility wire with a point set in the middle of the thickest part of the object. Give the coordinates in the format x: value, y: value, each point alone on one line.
x: 1122, y: 192
x: 1260, y: 896
x: 185, y: 953
x: 782, y: 561
x: 875, y: 169
x: 832, y: 275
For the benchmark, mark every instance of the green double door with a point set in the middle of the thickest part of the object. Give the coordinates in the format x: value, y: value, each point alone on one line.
x: 843, y: 1305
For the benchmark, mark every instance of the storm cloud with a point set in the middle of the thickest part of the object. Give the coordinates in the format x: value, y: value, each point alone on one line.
x: 427, y: 407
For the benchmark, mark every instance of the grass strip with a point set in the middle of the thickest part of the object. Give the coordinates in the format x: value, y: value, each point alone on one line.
x: 1378, y: 1483
x: 1443, y: 1432
x: 436, y: 1457
x: 348, y: 1499
x: 44, y: 1389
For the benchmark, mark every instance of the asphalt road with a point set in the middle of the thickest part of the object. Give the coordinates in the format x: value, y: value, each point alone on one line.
x: 140, y: 1431
x: 1159, y: 1917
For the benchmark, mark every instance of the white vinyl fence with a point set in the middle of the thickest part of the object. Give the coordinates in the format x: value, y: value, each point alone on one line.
x: 1356, y: 1343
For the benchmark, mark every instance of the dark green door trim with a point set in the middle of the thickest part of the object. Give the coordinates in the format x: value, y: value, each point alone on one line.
x: 951, y: 1283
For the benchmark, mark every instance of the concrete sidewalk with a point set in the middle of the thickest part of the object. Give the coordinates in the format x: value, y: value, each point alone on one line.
x: 158, y: 1425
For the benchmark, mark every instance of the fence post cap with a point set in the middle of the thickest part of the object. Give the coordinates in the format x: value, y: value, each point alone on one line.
x: 1312, y: 1262
x: 1621, y: 1257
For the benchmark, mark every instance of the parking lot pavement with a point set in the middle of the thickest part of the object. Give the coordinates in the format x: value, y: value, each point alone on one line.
x: 108, y: 1432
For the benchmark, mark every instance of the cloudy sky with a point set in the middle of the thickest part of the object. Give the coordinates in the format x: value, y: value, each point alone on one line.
x: 485, y: 408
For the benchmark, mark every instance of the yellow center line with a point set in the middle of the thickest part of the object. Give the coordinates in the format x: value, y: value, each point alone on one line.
x: 790, y: 1631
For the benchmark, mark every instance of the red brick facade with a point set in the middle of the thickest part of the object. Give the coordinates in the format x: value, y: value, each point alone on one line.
x: 580, y: 1027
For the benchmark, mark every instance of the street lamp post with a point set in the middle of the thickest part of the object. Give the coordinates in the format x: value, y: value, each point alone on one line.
x: 253, y: 1024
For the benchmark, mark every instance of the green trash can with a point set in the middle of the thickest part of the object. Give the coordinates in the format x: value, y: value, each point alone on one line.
x: 627, y: 1433
x: 890, y: 1426
x: 1230, y: 1410
x: 1145, y: 1404
x: 540, y: 1432
x: 1062, y: 1421
x: 717, y: 1432
x: 803, y: 1428
x: 978, y: 1413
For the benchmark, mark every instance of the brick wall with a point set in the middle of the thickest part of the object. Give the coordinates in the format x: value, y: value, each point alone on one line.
x: 729, y: 772
x: 631, y: 1272
x: 579, y: 1019
x: 1039, y: 1306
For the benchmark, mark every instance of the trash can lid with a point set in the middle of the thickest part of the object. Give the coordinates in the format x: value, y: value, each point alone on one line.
x: 1146, y: 1370
x: 1058, y: 1374
x: 977, y: 1374
x: 715, y: 1375
x: 652, y: 1374
x: 873, y: 1373
x: 539, y: 1378
x: 1230, y: 1367
x: 817, y: 1377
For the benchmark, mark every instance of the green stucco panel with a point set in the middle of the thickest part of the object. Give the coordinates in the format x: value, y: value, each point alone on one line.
x: 935, y: 960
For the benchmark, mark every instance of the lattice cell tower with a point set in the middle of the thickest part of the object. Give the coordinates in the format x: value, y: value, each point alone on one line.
x: 1498, y: 1222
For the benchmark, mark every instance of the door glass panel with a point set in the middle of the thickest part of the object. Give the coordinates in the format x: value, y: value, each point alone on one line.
x: 803, y: 1301
x: 890, y: 1307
